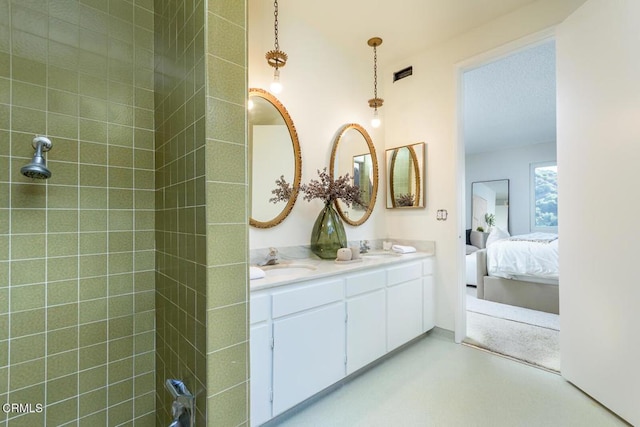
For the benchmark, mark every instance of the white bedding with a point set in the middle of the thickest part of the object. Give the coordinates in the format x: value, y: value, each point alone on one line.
x: 524, y: 256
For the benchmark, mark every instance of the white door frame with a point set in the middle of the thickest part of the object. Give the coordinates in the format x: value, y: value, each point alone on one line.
x: 527, y: 42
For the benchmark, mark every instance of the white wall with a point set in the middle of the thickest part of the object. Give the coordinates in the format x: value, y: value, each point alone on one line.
x: 512, y: 164
x: 598, y: 157
x: 324, y: 88
x: 423, y: 108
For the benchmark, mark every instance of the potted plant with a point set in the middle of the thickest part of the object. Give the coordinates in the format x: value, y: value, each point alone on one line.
x: 490, y: 219
x: 327, y: 235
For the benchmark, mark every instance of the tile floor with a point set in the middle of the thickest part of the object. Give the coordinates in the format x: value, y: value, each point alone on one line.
x: 435, y: 382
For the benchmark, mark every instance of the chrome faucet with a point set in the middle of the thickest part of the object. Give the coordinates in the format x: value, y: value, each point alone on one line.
x: 364, y: 246
x: 183, y: 409
x: 271, y: 258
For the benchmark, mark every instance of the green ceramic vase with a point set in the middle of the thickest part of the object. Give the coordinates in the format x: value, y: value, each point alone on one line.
x: 328, y: 233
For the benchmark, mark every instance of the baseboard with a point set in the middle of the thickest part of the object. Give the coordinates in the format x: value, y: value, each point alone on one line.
x: 443, y: 333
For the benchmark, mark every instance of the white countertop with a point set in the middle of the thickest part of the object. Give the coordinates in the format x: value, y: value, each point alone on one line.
x: 319, y: 268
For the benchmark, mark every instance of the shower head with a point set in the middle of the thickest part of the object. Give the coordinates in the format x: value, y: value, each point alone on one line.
x: 37, y: 169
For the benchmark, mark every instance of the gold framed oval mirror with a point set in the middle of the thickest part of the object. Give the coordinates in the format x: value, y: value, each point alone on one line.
x: 274, y: 152
x: 353, y: 153
x: 405, y: 175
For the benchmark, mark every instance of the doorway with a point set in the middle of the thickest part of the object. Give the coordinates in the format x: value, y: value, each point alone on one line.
x: 506, y: 124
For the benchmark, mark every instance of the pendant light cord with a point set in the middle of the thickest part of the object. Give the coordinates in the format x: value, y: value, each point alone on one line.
x: 375, y: 76
x: 275, y: 28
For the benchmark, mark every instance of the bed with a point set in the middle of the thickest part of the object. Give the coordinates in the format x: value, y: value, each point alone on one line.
x: 520, y: 270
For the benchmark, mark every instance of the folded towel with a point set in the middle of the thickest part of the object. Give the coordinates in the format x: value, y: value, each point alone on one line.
x: 403, y: 249
x: 256, y: 273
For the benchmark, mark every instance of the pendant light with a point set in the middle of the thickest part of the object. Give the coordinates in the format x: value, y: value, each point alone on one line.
x: 276, y: 58
x: 375, y: 102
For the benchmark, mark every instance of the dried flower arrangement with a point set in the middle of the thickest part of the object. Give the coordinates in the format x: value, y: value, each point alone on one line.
x: 405, y: 200
x: 326, y: 189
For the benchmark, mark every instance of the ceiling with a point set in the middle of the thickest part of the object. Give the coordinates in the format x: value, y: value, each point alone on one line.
x: 510, y: 101
x: 406, y: 26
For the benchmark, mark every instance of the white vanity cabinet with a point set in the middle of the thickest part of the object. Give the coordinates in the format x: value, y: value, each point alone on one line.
x: 404, y: 304
x: 309, y: 335
x: 309, y: 341
x: 428, y: 295
x: 366, y: 318
x: 260, y: 359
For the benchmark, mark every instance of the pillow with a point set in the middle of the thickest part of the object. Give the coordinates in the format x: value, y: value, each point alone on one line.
x: 468, y: 236
x: 497, y: 234
x: 471, y: 249
x: 479, y: 239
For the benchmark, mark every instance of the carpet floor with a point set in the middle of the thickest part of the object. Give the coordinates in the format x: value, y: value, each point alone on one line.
x: 520, y: 333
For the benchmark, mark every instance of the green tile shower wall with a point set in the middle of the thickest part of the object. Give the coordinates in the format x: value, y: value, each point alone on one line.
x: 77, y: 251
x: 180, y: 201
x: 201, y: 224
x: 227, y: 215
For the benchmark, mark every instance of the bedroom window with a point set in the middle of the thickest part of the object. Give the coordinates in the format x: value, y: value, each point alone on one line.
x: 544, y: 196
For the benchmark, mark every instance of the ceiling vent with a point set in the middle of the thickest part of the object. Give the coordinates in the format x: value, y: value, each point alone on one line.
x: 405, y: 72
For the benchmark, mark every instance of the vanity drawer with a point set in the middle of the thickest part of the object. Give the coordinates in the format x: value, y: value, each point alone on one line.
x: 307, y: 297
x: 365, y: 282
x: 260, y: 308
x: 404, y: 273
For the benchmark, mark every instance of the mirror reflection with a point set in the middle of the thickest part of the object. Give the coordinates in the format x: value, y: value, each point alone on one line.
x: 275, y: 152
x: 353, y: 153
x: 405, y: 176
x: 490, y: 198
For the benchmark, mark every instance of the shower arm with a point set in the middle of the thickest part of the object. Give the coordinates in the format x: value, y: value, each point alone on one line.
x: 42, y: 144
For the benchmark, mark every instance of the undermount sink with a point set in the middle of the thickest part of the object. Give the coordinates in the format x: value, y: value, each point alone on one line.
x: 279, y: 270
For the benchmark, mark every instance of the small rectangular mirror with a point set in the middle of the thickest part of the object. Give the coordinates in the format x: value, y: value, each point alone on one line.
x: 406, y: 170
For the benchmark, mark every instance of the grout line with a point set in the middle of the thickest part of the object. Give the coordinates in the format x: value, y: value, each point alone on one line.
x: 46, y: 243
x: 9, y: 287
x: 78, y: 203
x: 133, y: 234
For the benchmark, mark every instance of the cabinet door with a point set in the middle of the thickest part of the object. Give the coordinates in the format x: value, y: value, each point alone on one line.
x: 260, y: 363
x: 428, y: 304
x: 404, y: 313
x: 366, y: 329
x: 308, y: 354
